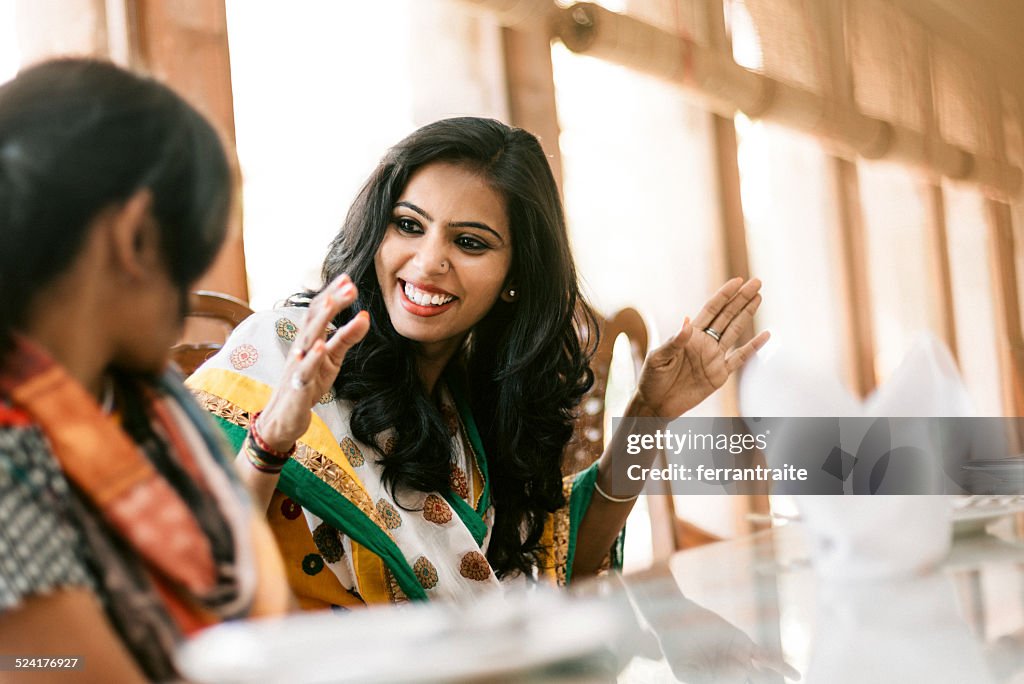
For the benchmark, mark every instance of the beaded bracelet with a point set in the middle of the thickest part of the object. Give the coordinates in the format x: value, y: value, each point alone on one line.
x: 261, y: 444
x: 259, y: 453
x: 260, y: 460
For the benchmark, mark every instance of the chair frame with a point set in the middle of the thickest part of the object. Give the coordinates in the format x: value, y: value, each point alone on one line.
x: 211, y: 306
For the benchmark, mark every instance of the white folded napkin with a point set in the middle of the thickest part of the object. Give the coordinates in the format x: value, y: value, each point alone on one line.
x: 864, y: 537
x: 926, y: 384
x: 777, y: 382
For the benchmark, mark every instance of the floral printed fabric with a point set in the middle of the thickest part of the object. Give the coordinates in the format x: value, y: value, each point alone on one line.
x: 432, y: 539
x: 440, y: 554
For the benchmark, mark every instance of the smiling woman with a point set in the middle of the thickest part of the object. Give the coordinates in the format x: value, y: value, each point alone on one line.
x: 447, y: 250
x: 430, y: 464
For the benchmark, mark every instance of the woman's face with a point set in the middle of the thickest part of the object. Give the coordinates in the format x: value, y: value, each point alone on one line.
x: 445, y: 255
x: 157, y: 321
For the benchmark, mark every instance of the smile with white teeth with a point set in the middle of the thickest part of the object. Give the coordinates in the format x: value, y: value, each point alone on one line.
x: 417, y: 296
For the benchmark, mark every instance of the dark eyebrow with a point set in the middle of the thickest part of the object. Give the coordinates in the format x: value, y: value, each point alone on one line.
x: 412, y: 206
x: 455, y: 224
x: 480, y: 226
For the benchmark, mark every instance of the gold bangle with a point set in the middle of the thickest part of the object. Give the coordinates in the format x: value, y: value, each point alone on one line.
x: 614, y: 499
x: 259, y: 459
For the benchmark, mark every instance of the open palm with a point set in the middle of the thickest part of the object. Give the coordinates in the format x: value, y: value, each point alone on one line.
x: 691, y: 365
x: 313, y: 364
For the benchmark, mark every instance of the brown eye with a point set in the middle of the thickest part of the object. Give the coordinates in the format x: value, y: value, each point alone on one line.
x: 407, y: 225
x: 471, y: 244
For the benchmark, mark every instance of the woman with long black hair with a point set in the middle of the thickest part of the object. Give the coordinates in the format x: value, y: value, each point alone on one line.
x: 122, y: 527
x: 443, y: 363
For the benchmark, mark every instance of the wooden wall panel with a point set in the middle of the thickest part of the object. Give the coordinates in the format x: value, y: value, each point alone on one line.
x: 184, y: 43
x: 531, y: 86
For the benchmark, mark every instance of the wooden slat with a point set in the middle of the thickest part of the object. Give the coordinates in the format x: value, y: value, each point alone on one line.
x: 855, y: 291
x: 732, y: 238
x: 943, y: 311
x: 531, y: 86
x: 184, y: 43
x: 723, y: 86
x: 735, y: 261
x: 1007, y: 305
x: 732, y: 235
x: 857, y: 333
x: 942, y: 314
x: 1002, y: 256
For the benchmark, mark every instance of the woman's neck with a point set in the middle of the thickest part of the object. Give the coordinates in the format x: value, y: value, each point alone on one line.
x: 432, y: 359
x: 66, y: 330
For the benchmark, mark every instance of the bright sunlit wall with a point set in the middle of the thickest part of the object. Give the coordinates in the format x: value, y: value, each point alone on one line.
x: 10, y: 58
x: 317, y: 106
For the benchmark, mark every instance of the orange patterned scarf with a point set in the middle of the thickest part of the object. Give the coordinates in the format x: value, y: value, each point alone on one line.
x: 186, y: 538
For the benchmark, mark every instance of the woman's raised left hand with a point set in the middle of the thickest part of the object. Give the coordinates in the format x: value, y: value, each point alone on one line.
x: 313, y: 364
x: 691, y: 365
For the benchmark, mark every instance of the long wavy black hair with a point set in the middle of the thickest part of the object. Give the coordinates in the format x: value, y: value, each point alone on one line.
x: 80, y: 135
x: 524, y: 364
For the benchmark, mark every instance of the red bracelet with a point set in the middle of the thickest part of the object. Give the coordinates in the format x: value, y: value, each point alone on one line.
x: 261, y: 461
x: 260, y: 444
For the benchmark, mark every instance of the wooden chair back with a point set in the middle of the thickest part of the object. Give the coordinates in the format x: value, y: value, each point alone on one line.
x: 224, y: 311
x: 669, y: 533
x: 589, y: 439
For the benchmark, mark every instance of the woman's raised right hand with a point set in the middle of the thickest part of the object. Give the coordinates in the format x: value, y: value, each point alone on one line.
x: 312, y: 366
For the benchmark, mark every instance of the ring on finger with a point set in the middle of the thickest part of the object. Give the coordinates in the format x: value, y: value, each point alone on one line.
x: 297, y: 383
x: 714, y: 333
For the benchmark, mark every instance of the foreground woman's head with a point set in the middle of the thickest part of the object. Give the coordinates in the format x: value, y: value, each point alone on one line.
x: 103, y: 169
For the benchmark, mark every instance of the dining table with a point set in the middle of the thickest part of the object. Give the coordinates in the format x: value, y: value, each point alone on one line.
x: 753, y: 609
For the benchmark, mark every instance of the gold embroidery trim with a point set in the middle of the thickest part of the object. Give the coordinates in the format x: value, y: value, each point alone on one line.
x: 395, y: 593
x: 560, y: 528
x: 222, y: 408
x: 560, y: 533
x: 331, y: 474
x: 325, y: 470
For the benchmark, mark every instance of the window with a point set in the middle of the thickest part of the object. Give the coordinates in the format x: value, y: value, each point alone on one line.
x: 315, y: 112
x: 638, y: 195
x: 791, y: 236
x: 973, y: 297
x: 902, y: 289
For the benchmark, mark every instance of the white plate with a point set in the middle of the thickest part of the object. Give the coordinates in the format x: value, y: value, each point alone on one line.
x: 414, y: 643
x: 972, y: 514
